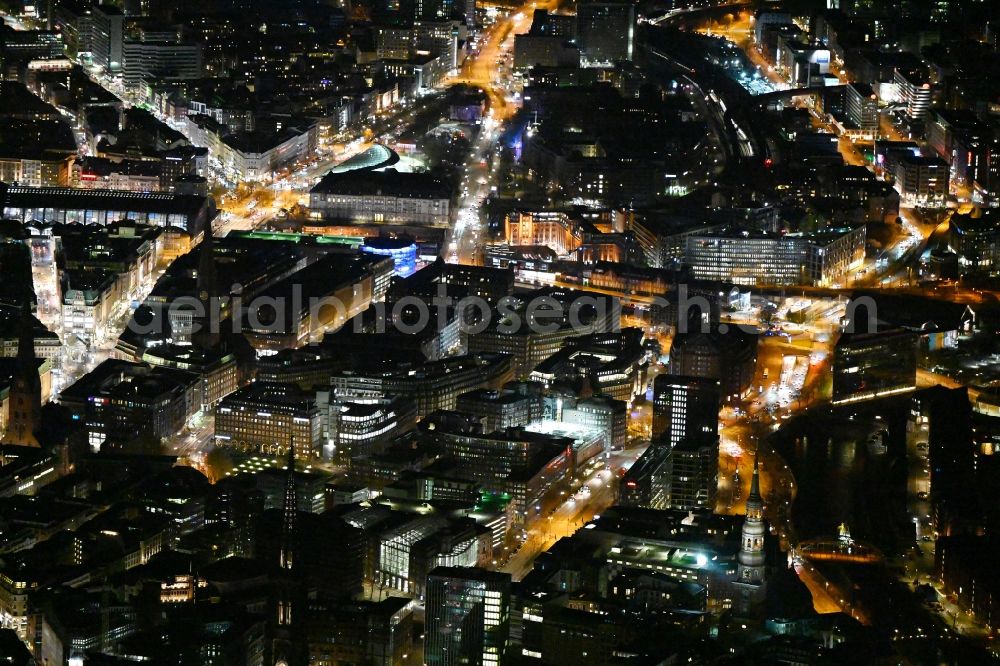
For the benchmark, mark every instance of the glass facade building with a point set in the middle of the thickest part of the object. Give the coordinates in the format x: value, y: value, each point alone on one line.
x: 684, y: 407
x: 468, y: 617
x: 755, y: 258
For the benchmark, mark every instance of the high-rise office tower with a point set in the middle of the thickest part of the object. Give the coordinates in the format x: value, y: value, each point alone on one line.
x: 914, y: 92
x: 862, y: 107
x: 605, y: 31
x: 108, y: 34
x: 467, y: 617
x: 694, y: 473
x: 684, y: 408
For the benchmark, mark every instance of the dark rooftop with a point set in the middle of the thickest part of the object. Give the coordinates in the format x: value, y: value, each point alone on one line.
x: 386, y: 183
x: 18, y: 196
x: 272, y: 394
x: 38, y: 139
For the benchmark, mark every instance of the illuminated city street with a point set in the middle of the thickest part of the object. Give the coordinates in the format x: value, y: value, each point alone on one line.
x: 492, y: 333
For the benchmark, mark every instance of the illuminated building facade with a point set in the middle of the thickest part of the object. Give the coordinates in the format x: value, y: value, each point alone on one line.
x: 500, y: 409
x: 118, y: 400
x: 751, y: 558
x: 862, y: 112
x: 388, y: 197
x: 256, y: 156
x: 468, y: 617
x: 553, y: 229
x: 57, y: 204
x: 694, y: 473
x: 402, y: 251
x: 914, y: 92
x: 269, y: 418
x: 99, y: 173
x: 355, y: 426
x: 47, y: 170
x: 646, y: 484
x: 976, y: 241
x: 606, y: 415
x: 923, y: 180
x: 755, y: 258
x: 306, y: 304
x: 15, y: 589
x: 618, y: 374
x: 729, y: 358
x: 89, y: 302
x: 455, y: 281
x: 408, y: 552
x: 219, y: 370
x: 528, y: 346
x: 872, y: 365
x: 433, y: 385
x: 148, y: 60
x: 684, y: 408
x: 526, y: 465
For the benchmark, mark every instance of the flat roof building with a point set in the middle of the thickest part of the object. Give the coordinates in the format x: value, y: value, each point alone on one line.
x: 527, y: 465
x: 321, y: 297
x: 120, y: 400
x: 694, y: 473
x: 976, y: 241
x: 605, y: 31
x: 873, y: 365
x: 565, y: 313
x: 433, y: 385
x: 750, y: 257
x: 354, y: 427
x: 729, y: 358
x: 389, y: 197
x: 646, y: 484
x: 923, y: 181
x: 501, y: 408
x: 58, y: 204
x: 269, y: 418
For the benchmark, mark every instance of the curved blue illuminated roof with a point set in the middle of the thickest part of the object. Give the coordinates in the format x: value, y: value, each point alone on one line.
x: 376, y: 157
x: 387, y: 243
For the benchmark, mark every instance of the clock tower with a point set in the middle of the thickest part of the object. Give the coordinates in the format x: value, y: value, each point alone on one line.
x: 751, y: 558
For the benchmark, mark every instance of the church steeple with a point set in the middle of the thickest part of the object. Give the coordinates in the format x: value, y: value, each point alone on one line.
x: 751, y: 555
x: 286, y: 558
x: 26, y: 337
x: 755, y: 503
x: 290, y: 508
x: 206, y: 334
x: 25, y: 398
x: 208, y: 278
